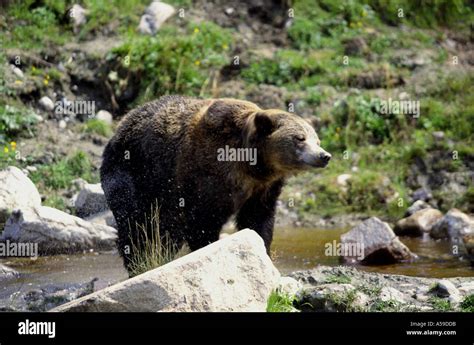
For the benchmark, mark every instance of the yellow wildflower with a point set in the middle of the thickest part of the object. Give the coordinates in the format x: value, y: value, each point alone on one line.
x: 196, y: 30
x: 5, y: 149
x: 197, y: 62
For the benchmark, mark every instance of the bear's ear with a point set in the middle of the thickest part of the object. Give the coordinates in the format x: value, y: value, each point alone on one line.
x: 264, y: 124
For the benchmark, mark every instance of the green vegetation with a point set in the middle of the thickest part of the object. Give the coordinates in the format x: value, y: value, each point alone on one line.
x: 440, y: 304
x: 386, y: 306
x: 376, y: 148
x: 60, y: 174
x: 339, y: 279
x: 176, y: 62
x: 468, y: 304
x: 15, y: 121
x: 344, y: 302
x: 99, y: 127
x: 279, y: 302
x: 53, y: 179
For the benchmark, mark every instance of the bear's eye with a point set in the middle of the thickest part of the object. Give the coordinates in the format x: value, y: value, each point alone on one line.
x: 300, y: 137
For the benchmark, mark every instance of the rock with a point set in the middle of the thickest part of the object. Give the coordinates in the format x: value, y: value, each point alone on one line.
x: 57, y: 232
x: 417, y: 206
x: 104, y: 218
x: 331, y: 298
x: 233, y: 274
x: 342, y: 180
x: 78, y: 16
x: 43, y: 299
x: 446, y: 289
x: 16, y: 191
x: 468, y: 243
x: 155, y: 15
x: 105, y: 116
x: 90, y: 200
x: 7, y: 273
x: 354, y: 46
x: 453, y: 225
x: 378, y: 241
x: 17, y: 72
x: 421, y: 194
x: 388, y: 293
x: 229, y: 11
x: 289, y: 286
x: 62, y: 124
x: 418, y: 223
x: 438, y: 135
x: 46, y: 103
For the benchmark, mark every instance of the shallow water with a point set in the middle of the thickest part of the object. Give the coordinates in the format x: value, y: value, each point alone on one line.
x: 296, y: 249
x: 293, y: 249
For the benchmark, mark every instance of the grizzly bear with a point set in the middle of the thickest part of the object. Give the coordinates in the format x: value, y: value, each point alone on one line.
x: 202, y: 161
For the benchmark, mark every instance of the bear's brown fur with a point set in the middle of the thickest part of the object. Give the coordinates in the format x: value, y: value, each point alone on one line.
x: 166, y: 152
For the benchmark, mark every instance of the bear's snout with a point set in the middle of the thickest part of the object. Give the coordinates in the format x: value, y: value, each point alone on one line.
x: 316, y: 159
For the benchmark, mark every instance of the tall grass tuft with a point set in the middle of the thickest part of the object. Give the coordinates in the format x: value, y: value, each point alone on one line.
x: 149, y: 249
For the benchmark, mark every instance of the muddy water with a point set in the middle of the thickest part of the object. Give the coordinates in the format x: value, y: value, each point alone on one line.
x: 293, y: 249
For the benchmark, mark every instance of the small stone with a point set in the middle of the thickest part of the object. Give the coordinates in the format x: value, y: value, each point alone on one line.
x: 78, y: 16
x: 417, y: 206
x: 105, y: 116
x: 342, y: 180
x: 155, y: 15
x: 438, y: 135
x: 18, y: 72
x: 46, y: 103
x: 289, y: 286
x: 62, y: 124
x: 229, y: 11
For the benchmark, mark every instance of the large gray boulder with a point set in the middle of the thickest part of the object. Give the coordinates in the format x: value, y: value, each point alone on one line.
x: 16, y: 191
x: 90, y: 200
x: 418, y: 223
x: 57, y: 232
x: 378, y: 241
x: 454, y: 225
x: 232, y: 274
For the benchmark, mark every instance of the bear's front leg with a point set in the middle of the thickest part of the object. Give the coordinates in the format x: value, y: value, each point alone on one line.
x: 258, y: 213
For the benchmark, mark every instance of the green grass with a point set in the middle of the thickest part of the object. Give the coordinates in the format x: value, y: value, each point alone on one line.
x: 344, y: 302
x: 97, y: 126
x: 15, y: 121
x: 386, y: 306
x: 176, y: 62
x: 34, y: 27
x: 339, y: 279
x: 440, y: 304
x: 279, y: 302
x: 60, y: 174
x: 468, y: 304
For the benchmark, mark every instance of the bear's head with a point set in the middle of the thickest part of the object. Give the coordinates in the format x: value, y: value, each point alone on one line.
x: 287, y: 143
